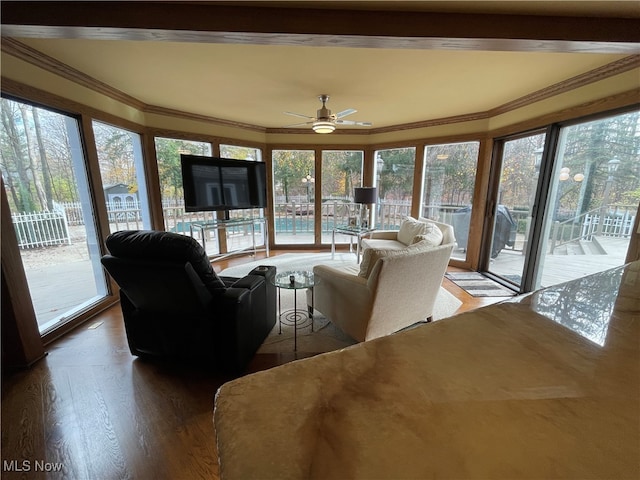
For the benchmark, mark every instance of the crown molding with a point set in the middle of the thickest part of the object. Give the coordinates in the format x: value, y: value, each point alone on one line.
x: 17, y: 49
x: 201, y: 118
x: 23, y: 52
x: 609, y: 70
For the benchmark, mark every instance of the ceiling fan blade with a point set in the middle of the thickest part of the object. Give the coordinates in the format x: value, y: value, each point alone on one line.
x: 299, y: 115
x: 346, y: 112
x: 299, y: 124
x: 351, y: 122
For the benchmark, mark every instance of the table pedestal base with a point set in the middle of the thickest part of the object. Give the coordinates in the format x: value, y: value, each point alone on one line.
x: 295, y: 317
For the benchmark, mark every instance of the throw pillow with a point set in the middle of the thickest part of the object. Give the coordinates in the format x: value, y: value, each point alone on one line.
x: 409, y: 228
x: 372, y: 255
x: 432, y: 235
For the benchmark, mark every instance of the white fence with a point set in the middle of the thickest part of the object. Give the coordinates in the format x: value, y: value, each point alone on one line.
x: 41, y: 229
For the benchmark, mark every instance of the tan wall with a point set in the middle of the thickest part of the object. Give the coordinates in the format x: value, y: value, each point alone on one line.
x: 591, y: 93
x: 33, y: 76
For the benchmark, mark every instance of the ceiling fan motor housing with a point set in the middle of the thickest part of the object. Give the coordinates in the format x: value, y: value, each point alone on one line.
x: 323, y: 114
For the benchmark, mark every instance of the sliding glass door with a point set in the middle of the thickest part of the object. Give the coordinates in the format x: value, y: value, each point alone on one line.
x: 565, y: 203
x: 594, y: 191
x: 511, y: 226
x: 46, y: 181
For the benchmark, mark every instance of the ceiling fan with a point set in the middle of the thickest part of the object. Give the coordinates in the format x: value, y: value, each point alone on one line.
x: 325, y: 121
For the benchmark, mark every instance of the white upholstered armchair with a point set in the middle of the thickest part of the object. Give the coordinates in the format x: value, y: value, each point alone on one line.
x: 388, y: 291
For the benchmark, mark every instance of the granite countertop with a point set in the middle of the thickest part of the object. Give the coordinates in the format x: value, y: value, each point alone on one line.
x: 546, y: 385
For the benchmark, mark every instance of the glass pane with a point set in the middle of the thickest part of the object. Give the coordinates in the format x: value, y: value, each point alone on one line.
x: 46, y: 184
x: 241, y: 237
x: 394, y: 178
x: 168, y: 151
x: 341, y: 173
x: 447, y: 189
x: 594, y: 199
x: 293, y: 189
x: 516, y: 195
x: 240, y: 153
x: 123, y: 181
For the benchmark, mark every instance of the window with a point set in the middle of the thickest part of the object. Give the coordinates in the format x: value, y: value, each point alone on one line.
x: 123, y: 180
x: 240, y: 153
x: 341, y: 173
x: 394, y: 179
x: 447, y: 188
x: 168, y: 151
x: 45, y: 176
x: 294, y: 193
x: 238, y: 238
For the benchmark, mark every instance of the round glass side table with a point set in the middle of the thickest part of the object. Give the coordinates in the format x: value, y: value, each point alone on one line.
x: 297, y: 318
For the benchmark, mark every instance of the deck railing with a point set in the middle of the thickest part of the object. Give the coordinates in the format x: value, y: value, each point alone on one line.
x: 618, y: 222
x: 297, y: 216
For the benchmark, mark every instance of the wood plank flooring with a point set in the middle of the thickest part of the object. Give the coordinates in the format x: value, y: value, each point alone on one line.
x: 90, y: 410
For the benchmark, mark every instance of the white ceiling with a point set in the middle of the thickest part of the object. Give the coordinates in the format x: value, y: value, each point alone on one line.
x: 255, y: 84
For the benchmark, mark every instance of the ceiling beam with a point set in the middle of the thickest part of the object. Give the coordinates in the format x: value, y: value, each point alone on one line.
x: 206, y: 22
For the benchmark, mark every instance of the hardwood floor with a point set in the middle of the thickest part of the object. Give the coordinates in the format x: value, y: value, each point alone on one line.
x: 90, y: 410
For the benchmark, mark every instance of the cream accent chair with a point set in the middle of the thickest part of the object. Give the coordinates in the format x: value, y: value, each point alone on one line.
x: 398, y: 239
x: 399, y: 290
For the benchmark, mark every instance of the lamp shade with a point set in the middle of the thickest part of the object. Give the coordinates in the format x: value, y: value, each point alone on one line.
x: 365, y: 195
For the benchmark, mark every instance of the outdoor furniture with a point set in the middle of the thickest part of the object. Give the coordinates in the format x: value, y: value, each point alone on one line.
x: 175, y: 306
x: 461, y: 220
x: 504, y: 233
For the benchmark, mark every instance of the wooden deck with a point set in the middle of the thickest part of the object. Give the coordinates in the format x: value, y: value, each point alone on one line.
x: 560, y: 268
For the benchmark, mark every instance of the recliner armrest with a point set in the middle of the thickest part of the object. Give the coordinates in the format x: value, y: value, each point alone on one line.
x: 234, y: 295
x: 250, y: 282
x: 249, y: 306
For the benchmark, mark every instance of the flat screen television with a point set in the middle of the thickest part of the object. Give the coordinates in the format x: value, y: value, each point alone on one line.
x: 212, y: 183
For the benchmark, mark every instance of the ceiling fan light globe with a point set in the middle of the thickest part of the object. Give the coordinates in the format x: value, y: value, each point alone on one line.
x: 323, y: 127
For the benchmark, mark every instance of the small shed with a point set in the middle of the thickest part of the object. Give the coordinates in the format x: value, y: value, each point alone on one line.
x: 118, y: 196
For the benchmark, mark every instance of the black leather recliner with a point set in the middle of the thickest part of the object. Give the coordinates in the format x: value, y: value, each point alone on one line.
x: 176, y: 307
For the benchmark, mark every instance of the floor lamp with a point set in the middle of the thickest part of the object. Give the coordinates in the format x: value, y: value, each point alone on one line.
x: 365, y: 196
